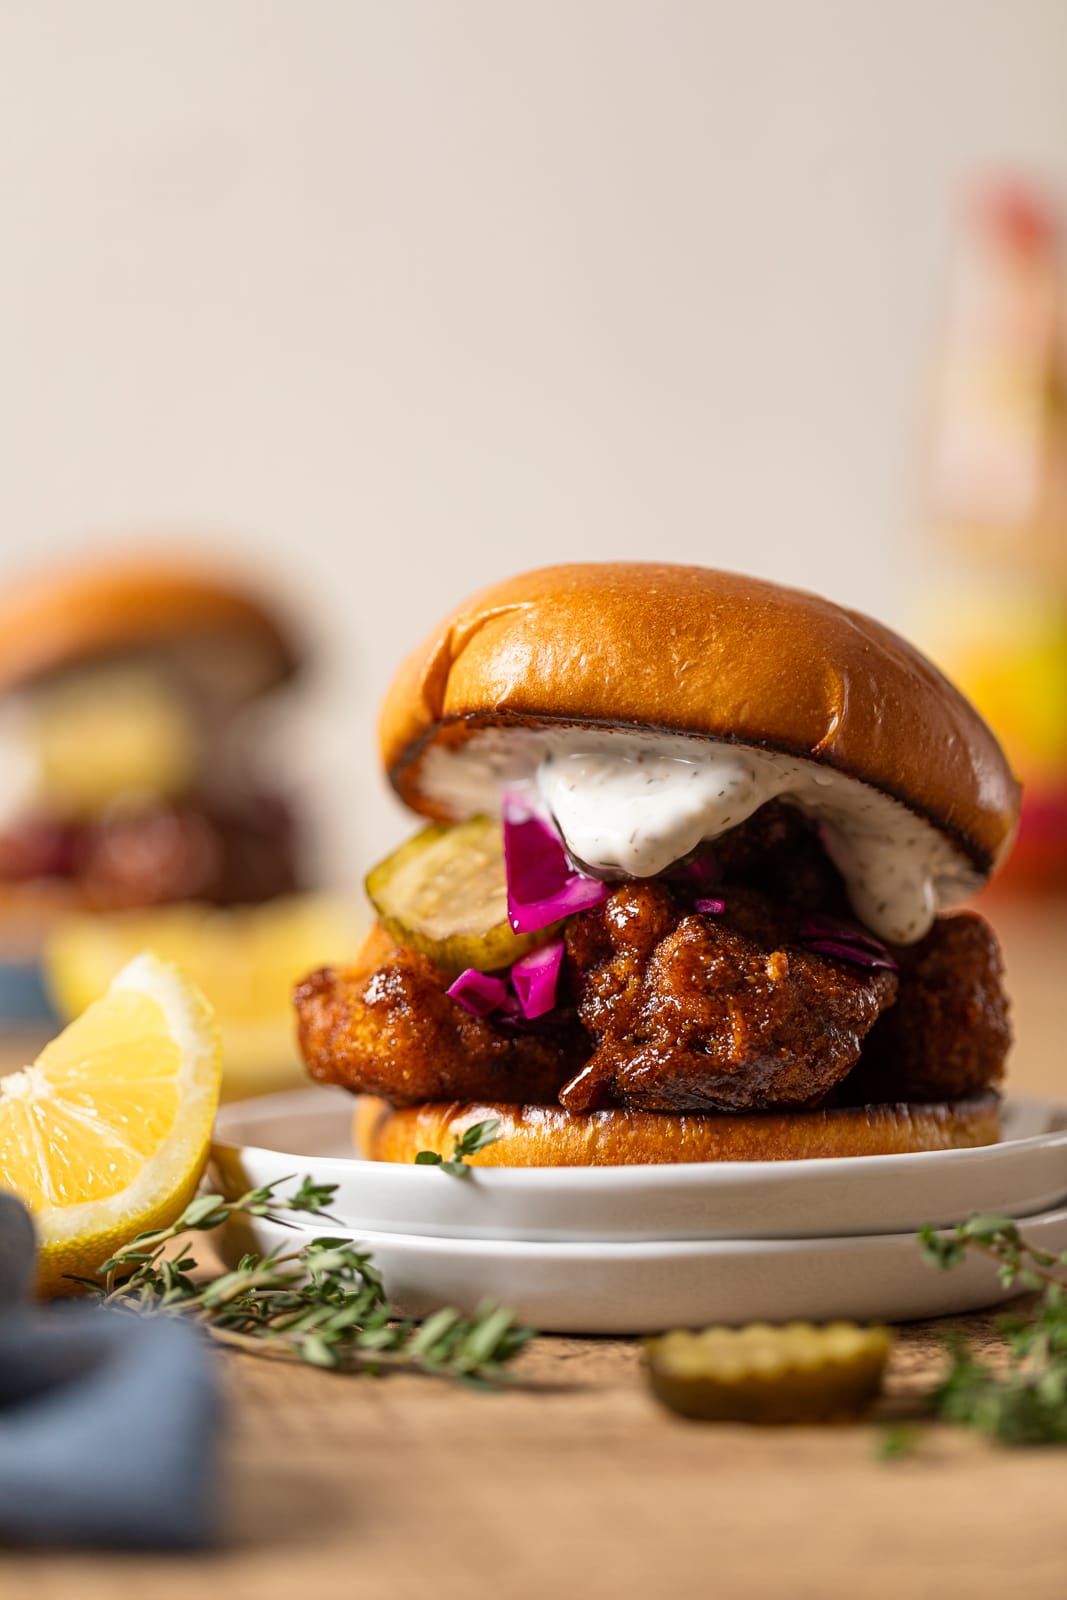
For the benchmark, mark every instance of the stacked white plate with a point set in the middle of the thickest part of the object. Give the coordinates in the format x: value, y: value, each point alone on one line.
x: 626, y: 1250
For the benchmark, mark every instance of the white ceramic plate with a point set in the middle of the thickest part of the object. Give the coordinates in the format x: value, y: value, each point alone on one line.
x: 309, y: 1131
x: 646, y: 1288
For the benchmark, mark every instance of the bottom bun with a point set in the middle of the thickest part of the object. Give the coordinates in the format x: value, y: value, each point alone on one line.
x: 548, y: 1136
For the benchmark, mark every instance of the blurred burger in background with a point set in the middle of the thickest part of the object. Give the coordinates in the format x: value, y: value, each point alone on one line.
x: 142, y: 792
x: 126, y: 780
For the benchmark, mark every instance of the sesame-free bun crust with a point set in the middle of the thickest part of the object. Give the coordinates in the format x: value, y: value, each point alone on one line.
x: 548, y: 1136
x: 79, y: 614
x: 692, y: 650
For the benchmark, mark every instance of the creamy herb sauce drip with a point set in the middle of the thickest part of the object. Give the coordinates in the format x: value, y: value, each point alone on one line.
x: 632, y: 805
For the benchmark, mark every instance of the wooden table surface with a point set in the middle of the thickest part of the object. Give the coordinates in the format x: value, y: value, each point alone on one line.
x: 576, y: 1483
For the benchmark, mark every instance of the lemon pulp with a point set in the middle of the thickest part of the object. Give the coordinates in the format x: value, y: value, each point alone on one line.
x: 105, y: 1135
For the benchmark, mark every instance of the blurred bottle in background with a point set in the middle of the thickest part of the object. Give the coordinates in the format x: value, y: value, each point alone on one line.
x: 994, y: 613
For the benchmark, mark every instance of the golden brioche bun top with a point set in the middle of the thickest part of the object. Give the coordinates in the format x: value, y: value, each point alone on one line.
x: 692, y: 650
x: 79, y: 614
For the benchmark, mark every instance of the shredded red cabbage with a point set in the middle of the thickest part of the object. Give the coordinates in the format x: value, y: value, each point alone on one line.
x: 535, y: 978
x: 846, y: 941
x: 851, y: 952
x: 700, y: 872
x: 543, y: 885
x: 479, y: 992
x: 709, y: 908
x: 528, y: 991
x: 821, y: 926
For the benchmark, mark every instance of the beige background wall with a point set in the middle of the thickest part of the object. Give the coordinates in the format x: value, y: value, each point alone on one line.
x: 389, y: 298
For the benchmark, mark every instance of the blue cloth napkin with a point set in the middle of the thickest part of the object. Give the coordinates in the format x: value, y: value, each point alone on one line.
x: 24, y: 998
x: 109, y: 1422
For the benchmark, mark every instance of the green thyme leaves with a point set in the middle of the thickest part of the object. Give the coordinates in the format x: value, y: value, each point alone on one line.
x: 476, y: 1137
x: 323, y: 1303
x: 1021, y: 1400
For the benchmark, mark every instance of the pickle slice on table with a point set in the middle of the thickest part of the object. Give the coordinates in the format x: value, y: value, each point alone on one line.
x: 795, y: 1373
x: 445, y: 893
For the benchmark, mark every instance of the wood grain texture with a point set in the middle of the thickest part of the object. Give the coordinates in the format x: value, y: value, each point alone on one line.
x: 576, y: 1483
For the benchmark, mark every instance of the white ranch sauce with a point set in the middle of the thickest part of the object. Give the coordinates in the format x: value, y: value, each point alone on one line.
x: 632, y: 804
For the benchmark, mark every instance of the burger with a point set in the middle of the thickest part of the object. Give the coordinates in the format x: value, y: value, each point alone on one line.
x: 692, y: 838
x: 127, y: 743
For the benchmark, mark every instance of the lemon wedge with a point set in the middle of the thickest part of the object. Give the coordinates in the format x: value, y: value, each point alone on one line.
x: 246, y: 961
x: 106, y: 1134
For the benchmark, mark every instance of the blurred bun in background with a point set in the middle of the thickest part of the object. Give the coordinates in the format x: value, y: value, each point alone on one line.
x: 127, y: 781
x: 139, y: 773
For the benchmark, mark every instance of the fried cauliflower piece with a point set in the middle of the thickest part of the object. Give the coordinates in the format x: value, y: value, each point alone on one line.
x: 677, y: 1012
x: 949, y: 1033
x: 712, y: 1013
x: 386, y: 1026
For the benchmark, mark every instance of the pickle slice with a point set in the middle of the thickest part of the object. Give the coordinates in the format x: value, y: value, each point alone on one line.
x: 445, y: 893
x: 796, y: 1373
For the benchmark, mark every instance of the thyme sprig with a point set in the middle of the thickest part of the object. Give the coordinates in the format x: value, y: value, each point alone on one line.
x: 323, y: 1303
x: 1022, y: 1401
x: 476, y: 1137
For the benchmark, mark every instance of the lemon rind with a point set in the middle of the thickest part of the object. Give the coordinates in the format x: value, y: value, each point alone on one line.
x: 190, y: 1022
